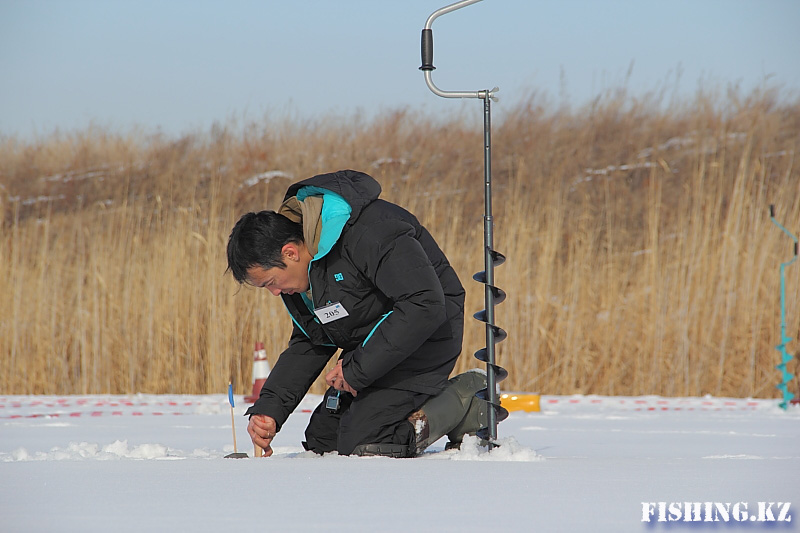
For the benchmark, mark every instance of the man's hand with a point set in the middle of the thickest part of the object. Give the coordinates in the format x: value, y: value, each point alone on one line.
x: 262, y: 430
x: 335, y: 379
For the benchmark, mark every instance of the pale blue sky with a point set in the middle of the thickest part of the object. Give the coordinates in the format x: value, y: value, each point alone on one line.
x: 180, y: 65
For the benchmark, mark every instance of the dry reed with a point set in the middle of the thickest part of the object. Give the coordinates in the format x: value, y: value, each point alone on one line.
x: 641, y: 258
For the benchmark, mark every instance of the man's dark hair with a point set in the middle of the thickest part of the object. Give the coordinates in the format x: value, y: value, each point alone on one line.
x: 257, y: 240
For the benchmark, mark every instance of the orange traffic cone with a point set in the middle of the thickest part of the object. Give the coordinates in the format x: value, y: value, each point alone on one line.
x: 260, y: 372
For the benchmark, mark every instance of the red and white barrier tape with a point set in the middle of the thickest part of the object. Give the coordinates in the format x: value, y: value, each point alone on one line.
x: 73, y: 407
x: 658, y: 403
x: 88, y: 402
x: 87, y: 414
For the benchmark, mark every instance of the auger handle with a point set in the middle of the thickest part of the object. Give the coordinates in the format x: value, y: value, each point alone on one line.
x: 427, y: 56
x: 427, y: 50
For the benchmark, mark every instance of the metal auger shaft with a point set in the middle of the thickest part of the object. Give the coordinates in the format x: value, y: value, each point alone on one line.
x: 493, y: 295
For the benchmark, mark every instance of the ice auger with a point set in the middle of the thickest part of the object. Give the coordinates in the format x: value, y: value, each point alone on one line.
x: 786, y: 376
x: 492, y: 258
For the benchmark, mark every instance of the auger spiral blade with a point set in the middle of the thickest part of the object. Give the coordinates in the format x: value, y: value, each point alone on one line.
x: 499, y: 295
x: 494, y: 334
x: 786, y: 376
x: 500, y: 373
x: 498, y: 333
x: 500, y: 413
x: 497, y: 260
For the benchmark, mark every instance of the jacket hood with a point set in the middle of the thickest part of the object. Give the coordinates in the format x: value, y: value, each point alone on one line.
x: 356, y: 188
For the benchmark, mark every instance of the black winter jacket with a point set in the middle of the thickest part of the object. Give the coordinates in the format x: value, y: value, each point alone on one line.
x: 404, y: 300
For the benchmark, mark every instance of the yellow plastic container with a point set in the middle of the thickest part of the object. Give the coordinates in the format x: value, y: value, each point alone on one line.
x: 520, y: 402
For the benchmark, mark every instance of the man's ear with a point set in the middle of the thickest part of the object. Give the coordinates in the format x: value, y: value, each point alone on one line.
x: 290, y: 252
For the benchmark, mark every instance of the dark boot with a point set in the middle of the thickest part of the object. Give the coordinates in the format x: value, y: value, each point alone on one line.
x: 385, y: 450
x: 454, y: 412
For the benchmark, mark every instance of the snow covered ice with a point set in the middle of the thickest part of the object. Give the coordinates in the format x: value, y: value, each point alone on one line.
x: 585, y: 463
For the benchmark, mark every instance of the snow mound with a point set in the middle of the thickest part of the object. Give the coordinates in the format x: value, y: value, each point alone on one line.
x: 85, y: 450
x: 266, y: 177
x: 737, y: 456
x: 211, y: 408
x: 509, y: 449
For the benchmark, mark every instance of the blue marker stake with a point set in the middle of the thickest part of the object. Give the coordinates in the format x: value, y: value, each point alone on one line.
x: 235, y: 454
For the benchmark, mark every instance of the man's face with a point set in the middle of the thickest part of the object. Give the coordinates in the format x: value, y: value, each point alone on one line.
x: 290, y: 280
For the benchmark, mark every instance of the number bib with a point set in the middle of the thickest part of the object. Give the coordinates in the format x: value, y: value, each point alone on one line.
x: 331, y: 312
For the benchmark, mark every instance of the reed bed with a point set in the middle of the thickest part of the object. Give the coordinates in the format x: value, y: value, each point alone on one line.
x: 641, y: 256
